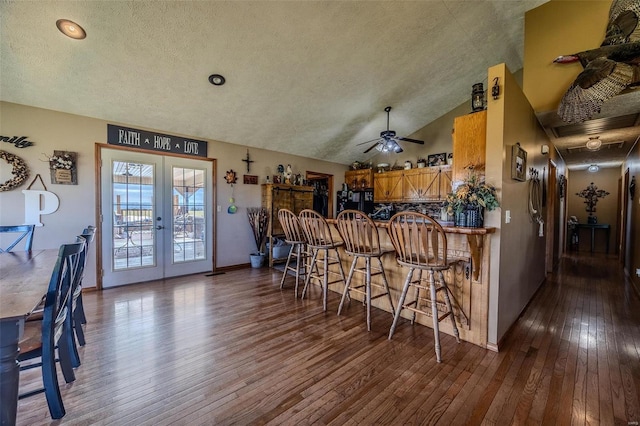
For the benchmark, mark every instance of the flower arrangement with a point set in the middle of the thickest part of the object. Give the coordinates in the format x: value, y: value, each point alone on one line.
x: 63, y: 161
x: 473, y: 193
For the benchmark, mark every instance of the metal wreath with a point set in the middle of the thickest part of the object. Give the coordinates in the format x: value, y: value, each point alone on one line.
x: 19, y: 170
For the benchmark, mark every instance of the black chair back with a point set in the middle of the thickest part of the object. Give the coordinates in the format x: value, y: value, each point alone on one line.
x: 24, y: 231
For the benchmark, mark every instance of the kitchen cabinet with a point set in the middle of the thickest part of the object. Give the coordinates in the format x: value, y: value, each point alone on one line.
x: 359, y: 179
x: 413, y: 185
x: 387, y: 187
x: 445, y: 182
x: 282, y: 196
x: 469, y: 144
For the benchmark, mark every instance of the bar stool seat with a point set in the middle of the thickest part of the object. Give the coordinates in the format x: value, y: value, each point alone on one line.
x: 421, y: 245
x: 294, y: 236
x: 362, y: 241
x: 323, y: 252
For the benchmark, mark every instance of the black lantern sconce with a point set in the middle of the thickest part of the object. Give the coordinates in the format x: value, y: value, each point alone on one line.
x: 477, y: 97
x: 632, y: 187
x: 495, y: 89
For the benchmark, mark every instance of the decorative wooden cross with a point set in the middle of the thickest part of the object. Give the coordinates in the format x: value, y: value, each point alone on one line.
x: 248, y: 161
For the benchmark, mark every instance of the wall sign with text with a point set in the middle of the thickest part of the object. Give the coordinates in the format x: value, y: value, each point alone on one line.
x: 158, y: 142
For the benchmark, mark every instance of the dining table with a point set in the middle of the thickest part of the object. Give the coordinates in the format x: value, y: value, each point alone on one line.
x: 24, y: 279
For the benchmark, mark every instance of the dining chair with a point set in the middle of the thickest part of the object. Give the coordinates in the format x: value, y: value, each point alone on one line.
x: 24, y: 231
x: 40, y: 339
x: 362, y: 242
x: 294, y: 236
x: 79, y: 316
x: 421, y: 245
x: 323, y: 250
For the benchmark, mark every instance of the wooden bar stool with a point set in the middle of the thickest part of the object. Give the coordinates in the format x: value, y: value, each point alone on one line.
x: 421, y: 244
x: 293, y: 235
x: 362, y: 241
x: 320, y: 242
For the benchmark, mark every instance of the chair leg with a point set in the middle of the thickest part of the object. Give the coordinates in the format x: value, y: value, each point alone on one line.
x: 80, y: 310
x: 312, y: 264
x: 68, y: 355
x: 348, y: 283
x: 51, y: 388
x: 447, y: 301
x: 299, y: 266
x: 77, y: 327
x: 367, y: 284
x: 325, y: 280
x: 403, y: 295
x: 286, y: 269
x: 434, y: 312
x: 417, y: 300
x: 386, y: 287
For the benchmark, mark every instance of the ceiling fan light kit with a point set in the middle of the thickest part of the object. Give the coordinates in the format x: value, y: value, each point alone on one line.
x: 594, y: 144
x: 388, y: 141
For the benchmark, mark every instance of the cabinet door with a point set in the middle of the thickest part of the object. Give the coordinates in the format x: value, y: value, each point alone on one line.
x: 359, y: 179
x: 387, y: 187
x: 421, y: 184
x: 445, y: 182
x: 469, y: 144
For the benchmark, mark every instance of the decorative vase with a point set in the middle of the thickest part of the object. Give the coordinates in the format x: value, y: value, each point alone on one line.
x: 474, y: 217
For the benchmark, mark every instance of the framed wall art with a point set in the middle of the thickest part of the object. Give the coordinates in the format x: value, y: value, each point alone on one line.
x: 63, y: 168
x: 518, y: 163
x: 437, y: 159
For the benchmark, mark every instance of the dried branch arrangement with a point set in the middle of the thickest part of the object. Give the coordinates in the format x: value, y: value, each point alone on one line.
x: 259, y: 220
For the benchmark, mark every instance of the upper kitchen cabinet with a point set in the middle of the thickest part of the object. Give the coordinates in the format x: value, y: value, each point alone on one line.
x: 421, y: 184
x: 469, y: 144
x: 387, y: 187
x: 359, y: 179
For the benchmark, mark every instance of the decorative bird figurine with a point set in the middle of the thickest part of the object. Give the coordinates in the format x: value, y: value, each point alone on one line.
x: 609, y: 69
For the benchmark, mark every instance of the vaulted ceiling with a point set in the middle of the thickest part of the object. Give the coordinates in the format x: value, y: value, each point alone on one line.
x: 307, y: 78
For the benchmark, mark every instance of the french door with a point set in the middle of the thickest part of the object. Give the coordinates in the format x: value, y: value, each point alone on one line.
x: 157, y: 217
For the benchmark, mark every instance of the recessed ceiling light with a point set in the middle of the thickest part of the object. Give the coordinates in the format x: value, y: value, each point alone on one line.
x: 216, y: 79
x: 594, y: 143
x: 71, y: 29
x: 593, y: 168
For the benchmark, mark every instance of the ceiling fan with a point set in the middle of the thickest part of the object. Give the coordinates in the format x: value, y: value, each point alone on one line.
x: 388, y: 141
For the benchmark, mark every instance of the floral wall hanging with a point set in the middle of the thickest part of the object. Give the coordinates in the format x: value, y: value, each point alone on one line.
x: 63, y: 168
x: 19, y: 171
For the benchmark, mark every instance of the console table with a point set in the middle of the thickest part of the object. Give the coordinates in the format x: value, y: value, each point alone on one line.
x: 593, y: 227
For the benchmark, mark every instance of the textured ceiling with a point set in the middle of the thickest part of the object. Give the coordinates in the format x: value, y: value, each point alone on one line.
x: 307, y: 78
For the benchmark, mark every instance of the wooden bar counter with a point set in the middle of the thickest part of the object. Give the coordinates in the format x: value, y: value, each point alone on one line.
x: 468, y: 279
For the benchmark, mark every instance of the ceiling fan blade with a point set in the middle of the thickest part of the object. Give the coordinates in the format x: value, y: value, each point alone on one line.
x: 371, y: 147
x: 369, y: 141
x: 411, y: 140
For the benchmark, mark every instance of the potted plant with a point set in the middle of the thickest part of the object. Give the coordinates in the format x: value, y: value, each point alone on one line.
x: 468, y: 202
x: 422, y: 162
x: 259, y: 220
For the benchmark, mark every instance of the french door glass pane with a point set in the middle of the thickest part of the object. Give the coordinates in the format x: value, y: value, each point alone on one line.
x: 133, y: 209
x: 188, y: 214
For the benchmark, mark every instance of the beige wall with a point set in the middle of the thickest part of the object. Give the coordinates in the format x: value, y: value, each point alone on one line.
x: 517, y: 250
x: 52, y: 130
x: 606, y: 208
x: 553, y: 29
x: 632, y: 258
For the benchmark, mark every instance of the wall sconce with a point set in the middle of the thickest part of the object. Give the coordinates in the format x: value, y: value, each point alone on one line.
x: 495, y: 89
x: 544, y: 149
x: 632, y: 187
x: 477, y: 97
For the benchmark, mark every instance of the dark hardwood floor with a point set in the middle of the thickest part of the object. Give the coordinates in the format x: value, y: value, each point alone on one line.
x: 235, y: 349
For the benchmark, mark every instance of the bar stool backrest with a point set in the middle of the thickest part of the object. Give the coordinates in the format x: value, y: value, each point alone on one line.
x: 359, y: 233
x: 419, y: 240
x: 291, y: 226
x: 316, y: 229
